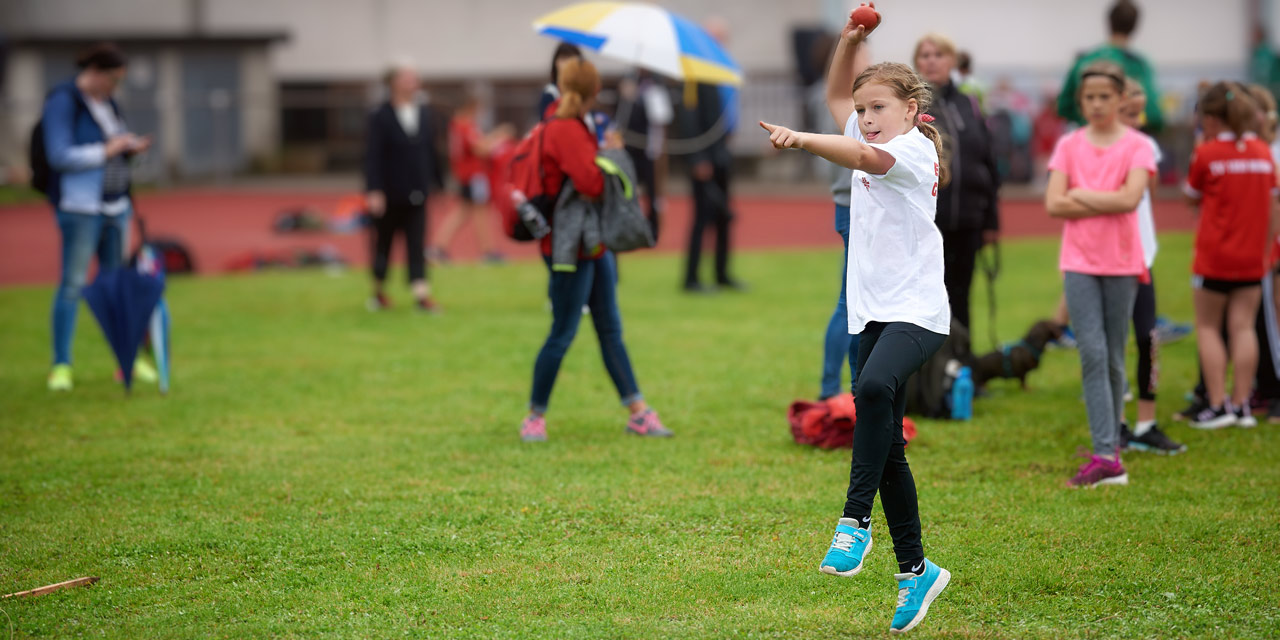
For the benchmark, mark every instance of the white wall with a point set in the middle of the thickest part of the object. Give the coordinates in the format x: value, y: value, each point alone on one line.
x: 1037, y: 35
x: 77, y: 17
x: 470, y: 38
x: 493, y: 38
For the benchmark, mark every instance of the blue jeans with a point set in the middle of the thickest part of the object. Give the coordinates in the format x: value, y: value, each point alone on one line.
x: 840, y: 345
x: 594, y: 284
x: 83, y: 236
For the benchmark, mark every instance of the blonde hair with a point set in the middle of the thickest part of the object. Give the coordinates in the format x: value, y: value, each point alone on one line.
x: 907, y: 85
x: 944, y: 44
x: 1267, y: 116
x: 579, y: 82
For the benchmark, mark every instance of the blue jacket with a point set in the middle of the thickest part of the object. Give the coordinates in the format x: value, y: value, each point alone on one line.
x: 76, y: 149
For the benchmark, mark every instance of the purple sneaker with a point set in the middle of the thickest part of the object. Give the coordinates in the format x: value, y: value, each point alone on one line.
x: 646, y: 423
x: 533, y: 429
x: 1098, y: 471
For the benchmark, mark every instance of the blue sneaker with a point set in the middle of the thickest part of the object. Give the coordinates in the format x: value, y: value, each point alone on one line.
x: 1168, y: 331
x: 848, y: 548
x: 915, y: 593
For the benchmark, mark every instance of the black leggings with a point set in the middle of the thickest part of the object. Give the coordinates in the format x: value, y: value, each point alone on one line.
x: 410, y: 219
x: 1144, y: 331
x: 888, y: 354
x: 1268, y: 384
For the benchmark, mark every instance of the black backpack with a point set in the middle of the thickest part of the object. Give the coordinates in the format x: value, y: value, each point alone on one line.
x: 929, y: 389
x: 41, y: 172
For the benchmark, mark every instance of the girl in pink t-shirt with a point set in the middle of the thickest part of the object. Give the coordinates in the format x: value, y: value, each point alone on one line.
x: 1097, y: 176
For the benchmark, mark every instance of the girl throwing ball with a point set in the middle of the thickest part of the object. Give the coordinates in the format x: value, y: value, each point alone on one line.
x: 896, y: 297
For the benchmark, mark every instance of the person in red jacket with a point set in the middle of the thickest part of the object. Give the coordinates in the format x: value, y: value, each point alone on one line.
x: 569, y: 153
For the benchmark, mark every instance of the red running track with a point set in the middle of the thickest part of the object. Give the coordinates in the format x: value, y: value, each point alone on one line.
x: 221, y: 226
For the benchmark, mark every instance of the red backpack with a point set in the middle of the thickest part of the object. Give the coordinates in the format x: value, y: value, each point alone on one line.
x: 523, y: 172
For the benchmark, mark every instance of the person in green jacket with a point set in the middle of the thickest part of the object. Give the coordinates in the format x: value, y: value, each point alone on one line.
x: 1123, y: 21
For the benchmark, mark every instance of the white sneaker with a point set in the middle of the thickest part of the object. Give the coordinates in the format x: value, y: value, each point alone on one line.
x: 1211, y: 418
x: 1245, y: 419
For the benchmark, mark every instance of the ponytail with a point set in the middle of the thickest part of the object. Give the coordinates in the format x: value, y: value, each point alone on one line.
x: 908, y: 85
x: 944, y: 166
x: 570, y: 105
x: 579, y: 82
x: 1241, y: 112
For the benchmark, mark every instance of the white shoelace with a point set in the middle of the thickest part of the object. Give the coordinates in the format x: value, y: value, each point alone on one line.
x: 843, y: 541
x: 902, y: 595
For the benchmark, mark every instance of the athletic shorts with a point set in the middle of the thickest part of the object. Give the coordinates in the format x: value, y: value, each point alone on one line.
x: 1222, y: 286
x: 475, y: 190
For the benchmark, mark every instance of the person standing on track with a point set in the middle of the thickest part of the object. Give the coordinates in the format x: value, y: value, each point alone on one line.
x: 1122, y: 21
x: 713, y: 115
x: 471, y: 155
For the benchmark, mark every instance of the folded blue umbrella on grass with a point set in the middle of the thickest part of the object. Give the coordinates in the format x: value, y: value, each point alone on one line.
x: 122, y: 299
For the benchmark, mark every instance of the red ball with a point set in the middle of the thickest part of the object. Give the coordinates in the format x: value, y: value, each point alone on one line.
x: 866, y: 16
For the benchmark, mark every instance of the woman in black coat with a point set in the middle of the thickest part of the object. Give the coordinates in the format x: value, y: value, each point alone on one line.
x: 969, y: 206
x: 400, y: 169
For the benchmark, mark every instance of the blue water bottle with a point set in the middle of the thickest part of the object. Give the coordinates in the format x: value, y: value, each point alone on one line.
x: 962, y: 395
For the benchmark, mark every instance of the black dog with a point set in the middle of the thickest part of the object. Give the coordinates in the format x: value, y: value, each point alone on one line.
x: 1018, y: 359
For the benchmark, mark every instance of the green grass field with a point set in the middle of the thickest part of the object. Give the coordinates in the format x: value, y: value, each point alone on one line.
x: 320, y: 471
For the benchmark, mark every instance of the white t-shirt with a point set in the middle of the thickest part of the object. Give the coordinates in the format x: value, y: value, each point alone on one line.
x: 1146, y: 217
x: 407, y: 114
x: 895, y: 249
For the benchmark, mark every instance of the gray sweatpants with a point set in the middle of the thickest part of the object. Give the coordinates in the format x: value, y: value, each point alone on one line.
x: 1100, y: 308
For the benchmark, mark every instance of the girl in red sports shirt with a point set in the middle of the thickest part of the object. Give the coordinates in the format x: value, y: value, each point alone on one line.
x: 471, y: 153
x: 1232, y: 178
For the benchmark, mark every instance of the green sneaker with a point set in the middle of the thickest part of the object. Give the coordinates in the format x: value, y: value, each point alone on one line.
x: 144, y: 371
x: 60, y: 378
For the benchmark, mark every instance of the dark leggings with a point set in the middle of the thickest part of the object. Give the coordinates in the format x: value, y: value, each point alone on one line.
x: 1267, y: 383
x: 1144, y: 330
x: 888, y: 354
x: 412, y: 221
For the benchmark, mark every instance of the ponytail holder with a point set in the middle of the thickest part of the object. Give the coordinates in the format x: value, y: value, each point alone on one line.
x: 926, y: 118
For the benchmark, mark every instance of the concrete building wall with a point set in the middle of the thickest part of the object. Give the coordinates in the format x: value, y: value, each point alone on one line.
x: 89, y: 17
x: 478, y: 42
x: 260, y: 96
x: 347, y: 39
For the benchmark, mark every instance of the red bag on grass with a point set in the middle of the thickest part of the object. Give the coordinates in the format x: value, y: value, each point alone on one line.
x: 829, y: 424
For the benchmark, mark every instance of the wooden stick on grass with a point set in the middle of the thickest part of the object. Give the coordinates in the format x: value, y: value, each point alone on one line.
x: 39, y: 591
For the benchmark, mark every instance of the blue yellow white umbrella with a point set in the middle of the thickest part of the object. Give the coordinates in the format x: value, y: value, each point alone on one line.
x: 644, y: 35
